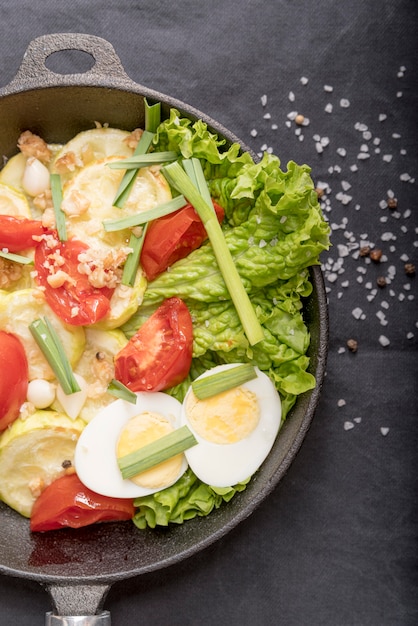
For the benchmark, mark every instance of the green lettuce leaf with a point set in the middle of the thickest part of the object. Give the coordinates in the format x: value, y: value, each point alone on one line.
x: 186, y: 499
x: 275, y: 231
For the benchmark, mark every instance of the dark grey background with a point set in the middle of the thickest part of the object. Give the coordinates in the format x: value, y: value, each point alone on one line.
x: 336, y: 543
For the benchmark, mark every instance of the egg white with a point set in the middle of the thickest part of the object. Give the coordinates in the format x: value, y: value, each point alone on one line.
x: 95, y: 454
x: 225, y: 465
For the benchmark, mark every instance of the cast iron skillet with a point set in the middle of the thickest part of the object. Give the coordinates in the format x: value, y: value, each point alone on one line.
x: 78, y: 567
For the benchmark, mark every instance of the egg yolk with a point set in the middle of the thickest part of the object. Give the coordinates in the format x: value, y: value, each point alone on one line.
x: 226, y: 417
x: 139, y: 431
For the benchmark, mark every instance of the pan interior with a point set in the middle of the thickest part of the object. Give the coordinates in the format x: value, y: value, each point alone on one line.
x: 111, y: 551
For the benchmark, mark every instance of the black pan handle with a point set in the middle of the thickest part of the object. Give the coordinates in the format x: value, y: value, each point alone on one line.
x: 77, y: 605
x: 33, y: 72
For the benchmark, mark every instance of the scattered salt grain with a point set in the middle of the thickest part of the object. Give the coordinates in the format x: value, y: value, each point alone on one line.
x: 328, y: 88
x: 396, y: 136
x: 344, y: 103
x: 354, y: 167
x: 405, y: 177
x: 341, y: 402
x: 382, y: 117
x: 357, y: 420
x: 384, y: 430
x: 344, y: 198
x: 357, y: 313
x: 253, y: 133
x: 360, y: 127
x: 267, y: 116
x: 342, y: 152
x: 384, y: 341
x: 263, y: 100
x: 291, y: 96
x: 362, y: 156
x: 388, y: 236
x: 304, y: 80
x: 342, y: 250
x: 348, y: 425
x: 328, y: 108
x: 387, y: 158
x: 274, y: 127
x: 399, y: 94
x: 332, y: 277
x: 410, y: 335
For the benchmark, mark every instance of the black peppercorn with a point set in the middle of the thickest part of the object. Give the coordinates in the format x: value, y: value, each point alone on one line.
x: 364, y: 251
x: 352, y: 345
x: 376, y: 255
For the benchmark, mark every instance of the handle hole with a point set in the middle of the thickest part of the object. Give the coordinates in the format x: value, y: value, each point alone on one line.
x: 70, y: 62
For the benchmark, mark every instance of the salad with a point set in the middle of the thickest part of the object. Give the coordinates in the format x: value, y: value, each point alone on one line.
x: 152, y: 339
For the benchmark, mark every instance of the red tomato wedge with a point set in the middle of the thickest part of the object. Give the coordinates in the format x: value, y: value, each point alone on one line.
x: 68, y: 503
x: 75, y: 301
x: 13, y: 378
x: 17, y: 233
x: 159, y: 355
x: 173, y: 237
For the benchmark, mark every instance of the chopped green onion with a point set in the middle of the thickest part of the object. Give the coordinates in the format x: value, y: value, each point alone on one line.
x: 178, y: 178
x: 213, y: 384
x: 118, y: 389
x: 143, y: 160
x: 152, y: 121
x: 17, y: 258
x: 193, y: 169
x: 128, y: 179
x: 156, y: 452
x: 145, y: 216
x: 152, y: 116
x: 56, y: 192
x: 51, y: 347
x: 131, y: 266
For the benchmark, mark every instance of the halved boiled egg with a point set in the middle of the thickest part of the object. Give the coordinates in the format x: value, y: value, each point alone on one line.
x: 120, y: 428
x: 235, y: 429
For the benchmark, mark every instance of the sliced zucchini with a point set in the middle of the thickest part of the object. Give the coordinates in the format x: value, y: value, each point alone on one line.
x: 32, y: 452
x: 13, y: 201
x: 88, y: 146
x: 90, y: 195
x: 20, y: 308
